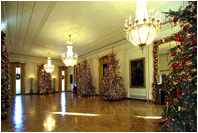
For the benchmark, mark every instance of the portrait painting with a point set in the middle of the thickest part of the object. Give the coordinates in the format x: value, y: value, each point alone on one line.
x: 137, y: 73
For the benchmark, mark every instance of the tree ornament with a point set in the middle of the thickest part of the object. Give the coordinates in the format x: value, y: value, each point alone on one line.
x: 159, y: 122
x: 173, y: 53
x: 184, y: 28
x: 188, y: 91
x: 181, y: 39
x: 165, y: 124
x: 194, y: 42
x: 188, y: 70
x: 195, y: 58
x: 175, y: 19
x: 178, y: 50
x: 174, y: 83
x: 193, y: 49
x: 189, y: 63
x: 195, y: 91
x: 178, y: 33
x: 175, y: 65
x: 194, y: 70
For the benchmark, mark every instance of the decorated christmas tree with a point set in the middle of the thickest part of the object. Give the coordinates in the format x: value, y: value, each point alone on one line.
x: 180, y: 112
x: 112, y: 87
x: 85, y: 86
x: 79, y: 77
x: 45, y: 82
x: 5, y: 90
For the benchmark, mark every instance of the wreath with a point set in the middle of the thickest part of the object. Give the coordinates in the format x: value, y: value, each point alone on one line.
x: 63, y: 77
x: 18, y: 76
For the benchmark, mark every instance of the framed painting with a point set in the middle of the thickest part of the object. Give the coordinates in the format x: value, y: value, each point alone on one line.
x: 137, y: 73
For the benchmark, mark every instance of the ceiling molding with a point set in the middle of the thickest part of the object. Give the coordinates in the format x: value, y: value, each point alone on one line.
x: 31, y: 57
x: 47, y: 49
x: 47, y: 13
x: 30, y: 22
x: 18, y: 23
x: 122, y: 14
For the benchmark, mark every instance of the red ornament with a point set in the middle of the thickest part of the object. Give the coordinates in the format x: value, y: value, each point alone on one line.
x: 155, y: 42
x: 173, y: 53
x: 194, y: 42
x: 170, y: 103
x: 188, y: 91
x: 184, y: 28
x: 193, y: 49
x: 175, y: 19
x: 175, y: 130
x: 187, y: 57
x: 188, y: 70
x: 159, y: 122
x: 165, y: 124
x: 176, y: 38
x: 175, y: 65
x: 180, y: 79
x: 178, y: 33
x: 180, y: 39
x: 165, y: 117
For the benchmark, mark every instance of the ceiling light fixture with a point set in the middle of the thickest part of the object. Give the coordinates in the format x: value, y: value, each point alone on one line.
x: 69, y: 58
x: 145, y: 28
x: 49, y: 68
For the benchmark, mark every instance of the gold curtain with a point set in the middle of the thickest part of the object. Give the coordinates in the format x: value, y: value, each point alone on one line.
x: 102, y: 61
x: 13, y: 78
x: 60, y: 69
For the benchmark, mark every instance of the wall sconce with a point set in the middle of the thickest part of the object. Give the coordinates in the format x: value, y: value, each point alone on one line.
x: 31, y: 80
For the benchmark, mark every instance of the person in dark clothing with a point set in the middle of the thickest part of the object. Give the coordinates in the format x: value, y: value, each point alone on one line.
x: 74, y: 89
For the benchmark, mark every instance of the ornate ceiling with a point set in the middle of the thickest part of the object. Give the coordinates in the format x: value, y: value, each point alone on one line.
x: 35, y: 28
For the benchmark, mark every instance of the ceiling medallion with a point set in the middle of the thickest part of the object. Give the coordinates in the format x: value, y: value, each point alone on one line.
x: 49, y: 68
x: 69, y: 58
x: 145, y: 28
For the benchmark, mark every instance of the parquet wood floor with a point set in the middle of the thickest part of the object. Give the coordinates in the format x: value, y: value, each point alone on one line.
x: 42, y: 113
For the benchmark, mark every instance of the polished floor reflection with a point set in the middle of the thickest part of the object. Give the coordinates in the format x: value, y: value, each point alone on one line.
x: 66, y: 112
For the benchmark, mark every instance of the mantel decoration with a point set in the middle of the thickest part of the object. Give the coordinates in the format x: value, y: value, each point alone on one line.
x: 69, y: 58
x: 145, y: 28
x: 49, y: 68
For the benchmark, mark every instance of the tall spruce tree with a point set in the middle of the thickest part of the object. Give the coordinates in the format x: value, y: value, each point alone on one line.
x: 5, y: 90
x: 112, y: 87
x: 180, y: 112
x: 85, y: 84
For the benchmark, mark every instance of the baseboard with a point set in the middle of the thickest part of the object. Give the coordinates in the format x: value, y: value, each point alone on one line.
x: 134, y: 99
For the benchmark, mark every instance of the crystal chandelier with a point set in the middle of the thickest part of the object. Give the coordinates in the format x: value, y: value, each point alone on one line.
x: 69, y: 58
x: 49, y: 68
x: 145, y: 28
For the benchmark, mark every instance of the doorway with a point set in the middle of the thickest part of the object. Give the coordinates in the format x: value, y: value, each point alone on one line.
x: 18, y: 80
x: 63, y: 81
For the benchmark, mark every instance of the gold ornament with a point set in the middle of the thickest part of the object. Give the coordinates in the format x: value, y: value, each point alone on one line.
x: 195, y: 58
x: 195, y: 83
x: 174, y: 24
x: 171, y: 89
x: 194, y: 70
x: 182, y: 93
x: 189, y: 63
x: 179, y: 108
x: 178, y: 50
x: 174, y: 83
x: 195, y: 92
x: 173, y: 119
x: 183, y: 72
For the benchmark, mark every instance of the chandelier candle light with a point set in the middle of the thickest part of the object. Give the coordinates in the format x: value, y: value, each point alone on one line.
x: 49, y: 68
x: 69, y: 58
x: 145, y: 28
